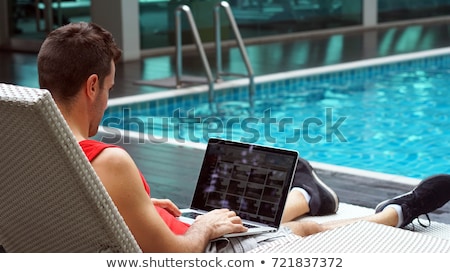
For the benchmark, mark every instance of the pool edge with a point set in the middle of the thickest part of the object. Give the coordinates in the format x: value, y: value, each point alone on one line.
x: 326, y: 69
x: 323, y: 167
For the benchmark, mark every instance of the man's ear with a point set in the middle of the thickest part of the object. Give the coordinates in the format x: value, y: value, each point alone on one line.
x: 92, y: 86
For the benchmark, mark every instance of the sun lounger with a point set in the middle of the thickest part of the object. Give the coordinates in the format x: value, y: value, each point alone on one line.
x: 365, y: 237
x: 51, y: 199
x: 361, y: 237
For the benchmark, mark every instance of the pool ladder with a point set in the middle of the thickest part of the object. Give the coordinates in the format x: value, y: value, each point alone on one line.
x: 210, y: 81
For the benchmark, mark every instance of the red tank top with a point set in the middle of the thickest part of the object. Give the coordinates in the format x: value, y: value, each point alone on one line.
x: 93, y: 148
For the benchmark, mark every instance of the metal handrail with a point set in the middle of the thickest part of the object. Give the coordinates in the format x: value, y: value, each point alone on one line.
x: 198, y: 42
x: 250, y: 74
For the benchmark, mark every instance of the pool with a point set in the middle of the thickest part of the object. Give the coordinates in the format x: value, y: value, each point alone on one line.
x: 389, y: 115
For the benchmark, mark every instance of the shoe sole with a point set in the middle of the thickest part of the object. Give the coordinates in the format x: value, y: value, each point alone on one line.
x: 385, y: 203
x: 322, y: 185
x: 329, y: 190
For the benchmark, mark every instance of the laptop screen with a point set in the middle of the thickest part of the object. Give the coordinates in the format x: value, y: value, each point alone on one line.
x: 250, y: 179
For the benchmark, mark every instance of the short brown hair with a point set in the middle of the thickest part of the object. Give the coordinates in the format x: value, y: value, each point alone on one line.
x: 71, y: 53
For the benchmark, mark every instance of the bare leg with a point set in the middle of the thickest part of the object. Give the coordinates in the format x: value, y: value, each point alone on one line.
x: 296, y: 206
x: 430, y: 194
x: 387, y: 217
x: 304, y: 228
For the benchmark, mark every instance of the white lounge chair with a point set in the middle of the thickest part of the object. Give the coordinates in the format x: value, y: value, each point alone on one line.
x: 51, y: 200
x: 364, y: 237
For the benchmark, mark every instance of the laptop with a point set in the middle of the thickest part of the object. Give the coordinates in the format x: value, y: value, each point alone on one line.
x: 252, y: 180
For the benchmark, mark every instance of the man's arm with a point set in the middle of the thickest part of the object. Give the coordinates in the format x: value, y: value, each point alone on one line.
x: 122, y: 180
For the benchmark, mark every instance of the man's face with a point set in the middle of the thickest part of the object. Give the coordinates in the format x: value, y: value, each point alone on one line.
x: 101, y: 102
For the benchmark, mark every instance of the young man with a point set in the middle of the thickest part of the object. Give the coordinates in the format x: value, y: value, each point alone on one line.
x: 76, y: 64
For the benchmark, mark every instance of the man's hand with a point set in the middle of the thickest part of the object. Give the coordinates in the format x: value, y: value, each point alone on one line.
x: 167, y: 205
x: 220, y: 222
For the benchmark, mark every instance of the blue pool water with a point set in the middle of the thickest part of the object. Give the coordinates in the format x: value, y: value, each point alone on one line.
x: 392, y: 118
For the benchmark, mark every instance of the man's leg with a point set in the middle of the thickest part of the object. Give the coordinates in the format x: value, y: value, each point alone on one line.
x: 309, y: 195
x: 296, y: 206
x: 387, y: 217
x: 430, y: 194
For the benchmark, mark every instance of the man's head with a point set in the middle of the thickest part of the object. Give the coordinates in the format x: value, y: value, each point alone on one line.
x: 72, y: 53
x: 76, y: 63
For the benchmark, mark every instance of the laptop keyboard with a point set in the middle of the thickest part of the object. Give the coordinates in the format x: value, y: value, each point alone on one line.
x: 193, y: 215
x: 249, y: 225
